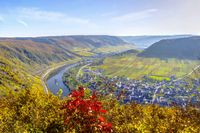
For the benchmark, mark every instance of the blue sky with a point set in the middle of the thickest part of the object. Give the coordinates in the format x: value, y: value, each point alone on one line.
x: 110, y: 17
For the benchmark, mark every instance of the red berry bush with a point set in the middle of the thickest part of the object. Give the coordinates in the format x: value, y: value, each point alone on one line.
x: 85, y: 114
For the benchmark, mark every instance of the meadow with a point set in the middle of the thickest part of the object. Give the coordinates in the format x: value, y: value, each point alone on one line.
x: 110, y: 49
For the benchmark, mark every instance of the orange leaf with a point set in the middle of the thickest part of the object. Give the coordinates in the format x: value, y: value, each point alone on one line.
x: 101, y: 119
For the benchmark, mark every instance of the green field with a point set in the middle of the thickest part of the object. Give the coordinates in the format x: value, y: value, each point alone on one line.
x: 104, y: 50
x: 136, y: 67
x: 109, y: 49
x: 83, y: 51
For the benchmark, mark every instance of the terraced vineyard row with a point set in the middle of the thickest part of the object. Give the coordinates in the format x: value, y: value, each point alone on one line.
x: 136, y: 67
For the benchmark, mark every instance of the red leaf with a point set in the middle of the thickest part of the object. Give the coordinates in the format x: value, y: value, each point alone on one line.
x: 103, y: 111
x: 75, y: 93
x: 80, y: 110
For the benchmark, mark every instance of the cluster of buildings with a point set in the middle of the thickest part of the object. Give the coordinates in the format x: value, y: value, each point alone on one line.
x: 145, y: 91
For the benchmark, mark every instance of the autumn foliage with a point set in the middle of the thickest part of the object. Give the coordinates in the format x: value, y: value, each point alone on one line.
x: 33, y: 111
x: 85, y: 114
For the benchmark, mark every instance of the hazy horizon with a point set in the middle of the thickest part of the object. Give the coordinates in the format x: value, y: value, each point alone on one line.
x: 21, y: 18
x: 97, y: 35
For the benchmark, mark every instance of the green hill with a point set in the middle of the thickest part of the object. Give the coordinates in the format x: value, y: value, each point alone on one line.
x: 183, y: 48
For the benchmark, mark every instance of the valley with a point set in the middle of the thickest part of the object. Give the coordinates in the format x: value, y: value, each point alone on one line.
x: 29, y: 57
x: 116, y: 58
x: 99, y: 66
x: 49, y: 69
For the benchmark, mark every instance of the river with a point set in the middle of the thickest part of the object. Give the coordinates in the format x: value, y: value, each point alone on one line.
x: 55, y: 82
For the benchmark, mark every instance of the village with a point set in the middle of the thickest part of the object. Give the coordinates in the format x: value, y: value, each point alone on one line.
x: 143, y: 91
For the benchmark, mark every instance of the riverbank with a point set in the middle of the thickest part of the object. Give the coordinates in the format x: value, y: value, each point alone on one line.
x: 54, y: 68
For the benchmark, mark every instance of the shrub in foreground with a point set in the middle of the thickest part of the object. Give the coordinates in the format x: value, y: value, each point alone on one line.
x: 33, y: 111
x: 85, y: 114
x: 132, y: 117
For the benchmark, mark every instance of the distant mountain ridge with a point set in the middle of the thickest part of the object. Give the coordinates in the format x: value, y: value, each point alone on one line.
x: 143, y: 42
x: 182, y: 48
x: 53, y: 49
x: 81, y: 40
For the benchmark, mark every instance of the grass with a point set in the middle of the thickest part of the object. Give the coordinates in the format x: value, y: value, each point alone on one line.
x: 159, y: 78
x: 83, y: 51
x: 110, y: 49
x: 136, y: 67
x: 106, y: 49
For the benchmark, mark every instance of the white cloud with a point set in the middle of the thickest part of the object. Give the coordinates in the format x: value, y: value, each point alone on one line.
x: 134, y: 16
x: 38, y: 14
x: 22, y: 22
